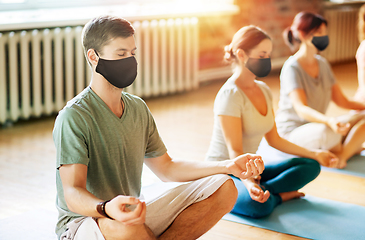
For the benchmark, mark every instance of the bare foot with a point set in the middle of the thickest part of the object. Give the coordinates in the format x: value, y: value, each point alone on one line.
x: 285, y: 196
x: 342, y: 164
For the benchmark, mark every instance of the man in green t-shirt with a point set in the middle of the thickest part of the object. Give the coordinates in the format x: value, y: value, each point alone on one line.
x: 103, y: 136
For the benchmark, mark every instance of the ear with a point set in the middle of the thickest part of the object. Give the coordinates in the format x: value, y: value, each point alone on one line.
x: 241, y: 55
x: 303, y: 37
x: 92, y: 57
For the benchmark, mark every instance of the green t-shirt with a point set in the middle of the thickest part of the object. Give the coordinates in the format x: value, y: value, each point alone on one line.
x: 87, y: 132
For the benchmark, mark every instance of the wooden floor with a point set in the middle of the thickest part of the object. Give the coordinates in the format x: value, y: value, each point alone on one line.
x: 185, y: 122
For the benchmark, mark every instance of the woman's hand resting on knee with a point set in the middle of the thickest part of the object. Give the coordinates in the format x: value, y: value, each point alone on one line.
x: 326, y: 158
x: 254, y: 189
x: 338, y: 126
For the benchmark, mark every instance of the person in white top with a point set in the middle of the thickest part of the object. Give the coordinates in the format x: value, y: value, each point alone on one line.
x: 307, y: 86
x: 244, y: 115
x: 360, y: 57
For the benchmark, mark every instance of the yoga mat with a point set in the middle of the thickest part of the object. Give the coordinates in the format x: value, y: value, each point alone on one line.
x: 355, y: 165
x: 312, y: 217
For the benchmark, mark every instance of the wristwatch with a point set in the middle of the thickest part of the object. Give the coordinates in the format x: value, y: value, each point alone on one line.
x: 101, y: 209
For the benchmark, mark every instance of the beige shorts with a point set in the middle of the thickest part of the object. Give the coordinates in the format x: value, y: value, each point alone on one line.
x: 160, y: 212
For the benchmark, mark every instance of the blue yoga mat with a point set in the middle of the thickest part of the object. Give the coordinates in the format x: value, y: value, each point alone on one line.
x: 355, y: 165
x: 312, y: 217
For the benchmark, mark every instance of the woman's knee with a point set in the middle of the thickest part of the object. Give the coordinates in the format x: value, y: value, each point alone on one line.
x: 309, y: 167
x: 252, y: 208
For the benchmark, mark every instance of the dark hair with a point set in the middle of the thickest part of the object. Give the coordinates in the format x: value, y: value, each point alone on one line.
x: 99, y: 31
x: 305, y: 22
x: 246, y: 39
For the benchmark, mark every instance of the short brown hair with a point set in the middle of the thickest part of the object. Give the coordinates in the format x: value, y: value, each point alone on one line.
x: 99, y: 31
x: 246, y: 38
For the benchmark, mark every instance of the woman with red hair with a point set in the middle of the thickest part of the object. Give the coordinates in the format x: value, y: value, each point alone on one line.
x: 307, y: 86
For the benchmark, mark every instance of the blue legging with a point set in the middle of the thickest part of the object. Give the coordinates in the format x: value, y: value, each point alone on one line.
x: 283, y: 176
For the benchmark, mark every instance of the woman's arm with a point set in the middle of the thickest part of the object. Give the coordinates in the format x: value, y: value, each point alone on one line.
x: 232, y: 133
x: 300, y: 104
x: 325, y: 158
x: 275, y: 141
x: 342, y: 101
x: 299, y: 101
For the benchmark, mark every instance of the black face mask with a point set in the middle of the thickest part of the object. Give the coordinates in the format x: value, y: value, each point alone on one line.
x: 120, y: 73
x: 261, y: 67
x: 320, y: 42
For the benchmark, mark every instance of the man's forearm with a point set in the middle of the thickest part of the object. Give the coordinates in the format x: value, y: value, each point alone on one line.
x: 183, y: 171
x: 81, y: 201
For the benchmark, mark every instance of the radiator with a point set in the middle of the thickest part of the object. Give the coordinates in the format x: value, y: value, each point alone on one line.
x: 342, y: 32
x: 41, y: 69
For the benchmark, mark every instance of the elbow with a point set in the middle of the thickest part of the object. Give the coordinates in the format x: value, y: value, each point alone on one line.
x: 164, y: 177
x: 301, y: 113
x: 273, y: 141
x: 68, y: 199
x: 233, y: 153
x: 270, y: 141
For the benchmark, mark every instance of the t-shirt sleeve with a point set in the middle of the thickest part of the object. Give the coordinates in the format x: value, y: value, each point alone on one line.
x: 228, y: 103
x: 155, y: 146
x: 70, y: 138
x: 290, y: 79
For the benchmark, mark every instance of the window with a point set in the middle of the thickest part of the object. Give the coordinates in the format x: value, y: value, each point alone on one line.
x: 7, y: 5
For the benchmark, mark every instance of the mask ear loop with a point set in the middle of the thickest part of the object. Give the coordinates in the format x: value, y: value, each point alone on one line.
x: 96, y: 53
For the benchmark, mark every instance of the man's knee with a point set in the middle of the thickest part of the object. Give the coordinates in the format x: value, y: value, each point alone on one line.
x: 226, y: 195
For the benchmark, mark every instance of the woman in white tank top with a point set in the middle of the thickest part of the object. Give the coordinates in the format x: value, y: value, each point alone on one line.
x: 244, y: 115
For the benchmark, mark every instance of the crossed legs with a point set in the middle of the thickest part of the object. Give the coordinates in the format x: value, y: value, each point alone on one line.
x: 191, y: 223
x: 282, y: 179
x: 320, y: 136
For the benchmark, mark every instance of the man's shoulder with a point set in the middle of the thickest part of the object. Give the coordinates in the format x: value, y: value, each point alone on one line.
x: 133, y: 98
x: 78, y: 107
x: 134, y: 101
